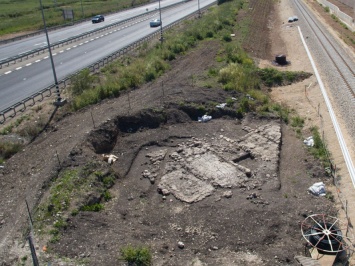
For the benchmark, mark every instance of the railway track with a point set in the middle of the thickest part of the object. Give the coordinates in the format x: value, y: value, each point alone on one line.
x: 345, y: 67
x: 338, y: 71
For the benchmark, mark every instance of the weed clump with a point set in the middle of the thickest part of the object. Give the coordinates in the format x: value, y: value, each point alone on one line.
x: 138, y: 256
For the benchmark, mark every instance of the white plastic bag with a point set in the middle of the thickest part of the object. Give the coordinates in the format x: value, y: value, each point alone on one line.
x: 204, y: 118
x: 317, y: 189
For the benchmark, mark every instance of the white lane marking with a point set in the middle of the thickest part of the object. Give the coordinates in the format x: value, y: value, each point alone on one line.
x: 106, y: 34
x: 18, y: 68
x: 75, y: 46
x: 92, y: 39
x: 110, y: 32
x: 62, y: 51
x: 68, y: 49
x: 24, y: 78
x: 45, y: 57
x: 54, y: 54
x: 28, y: 64
x: 38, y: 61
x: 102, y: 35
x: 8, y: 72
x: 86, y: 41
x: 97, y: 37
x: 80, y: 43
x: 39, y: 43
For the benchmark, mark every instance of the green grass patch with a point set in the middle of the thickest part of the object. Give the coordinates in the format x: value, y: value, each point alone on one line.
x: 297, y: 121
x: 139, y: 256
x: 12, y: 127
x: 93, y: 208
x: 20, y: 15
x: 8, y: 149
x: 272, y: 77
x: 319, y: 150
x: 70, y: 193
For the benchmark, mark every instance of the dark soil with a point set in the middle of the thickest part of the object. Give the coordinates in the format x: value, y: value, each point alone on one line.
x: 217, y: 230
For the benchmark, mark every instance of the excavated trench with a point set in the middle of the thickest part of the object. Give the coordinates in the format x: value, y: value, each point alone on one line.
x: 191, y: 159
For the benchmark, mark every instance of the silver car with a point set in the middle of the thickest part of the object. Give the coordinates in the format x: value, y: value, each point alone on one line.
x: 155, y: 23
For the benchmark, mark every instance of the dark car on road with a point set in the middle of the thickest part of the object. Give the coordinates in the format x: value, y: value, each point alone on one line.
x: 98, y: 18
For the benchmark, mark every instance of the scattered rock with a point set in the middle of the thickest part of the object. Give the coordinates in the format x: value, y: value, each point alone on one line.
x: 181, y: 244
x: 228, y: 194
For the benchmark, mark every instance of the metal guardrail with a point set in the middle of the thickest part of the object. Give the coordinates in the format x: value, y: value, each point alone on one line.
x: 58, y: 27
x: 6, y: 62
x: 48, y: 91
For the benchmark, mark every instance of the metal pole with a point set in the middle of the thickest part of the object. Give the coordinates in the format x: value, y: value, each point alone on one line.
x: 51, y: 56
x: 30, y: 238
x: 161, y: 26
x: 29, y: 214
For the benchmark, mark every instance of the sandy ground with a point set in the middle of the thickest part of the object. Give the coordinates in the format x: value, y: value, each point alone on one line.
x: 307, y: 99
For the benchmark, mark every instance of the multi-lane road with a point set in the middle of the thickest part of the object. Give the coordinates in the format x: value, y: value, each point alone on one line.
x: 23, y: 78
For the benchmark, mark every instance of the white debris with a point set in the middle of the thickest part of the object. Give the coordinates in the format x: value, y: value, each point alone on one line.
x: 309, y: 141
x: 110, y: 158
x: 249, y: 97
x: 317, y: 189
x: 204, y: 118
x: 221, y: 105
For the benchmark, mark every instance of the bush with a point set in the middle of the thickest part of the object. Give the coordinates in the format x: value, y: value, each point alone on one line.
x: 8, y: 149
x: 297, y: 121
x: 93, y: 208
x: 81, y: 82
x: 107, y: 195
x: 319, y: 149
x: 227, y: 38
x: 140, y: 256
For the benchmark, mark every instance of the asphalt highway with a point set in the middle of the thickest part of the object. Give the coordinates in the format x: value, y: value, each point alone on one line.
x: 23, y: 79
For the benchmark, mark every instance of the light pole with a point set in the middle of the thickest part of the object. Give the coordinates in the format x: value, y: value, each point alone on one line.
x: 161, y: 26
x: 59, y: 101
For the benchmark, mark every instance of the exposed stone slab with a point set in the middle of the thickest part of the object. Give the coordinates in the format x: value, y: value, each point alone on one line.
x: 185, y: 186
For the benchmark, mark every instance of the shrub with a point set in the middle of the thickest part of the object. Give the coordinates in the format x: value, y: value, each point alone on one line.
x: 8, y: 149
x: 297, y: 121
x: 140, y: 256
x: 81, y: 82
x: 93, y: 208
x: 107, y: 195
x: 227, y: 38
x: 319, y: 149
